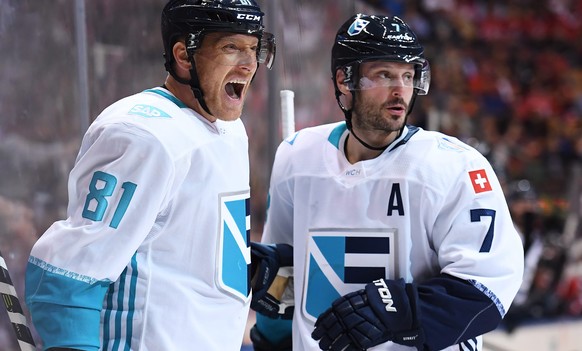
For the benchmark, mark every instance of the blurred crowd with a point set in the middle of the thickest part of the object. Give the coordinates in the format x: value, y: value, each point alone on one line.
x: 507, y: 79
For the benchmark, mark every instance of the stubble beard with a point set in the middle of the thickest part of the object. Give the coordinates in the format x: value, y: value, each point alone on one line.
x: 371, y: 116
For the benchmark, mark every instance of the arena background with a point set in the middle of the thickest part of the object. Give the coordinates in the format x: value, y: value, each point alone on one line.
x: 507, y: 79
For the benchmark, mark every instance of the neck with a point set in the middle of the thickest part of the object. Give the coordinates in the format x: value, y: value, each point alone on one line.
x: 184, y: 93
x: 357, y: 149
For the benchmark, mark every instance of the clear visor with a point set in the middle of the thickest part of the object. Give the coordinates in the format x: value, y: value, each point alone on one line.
x: 267, y: 49
x: 236, y: 54
x: 418, y: 79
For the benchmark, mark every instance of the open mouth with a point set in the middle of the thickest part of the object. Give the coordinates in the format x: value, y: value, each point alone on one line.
x: 234, y: 89
x: 396, y: 108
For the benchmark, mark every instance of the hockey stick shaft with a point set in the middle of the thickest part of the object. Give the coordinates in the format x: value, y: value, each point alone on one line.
x: 14, y: 309
x: 287, y: 113
x: 287, y: 128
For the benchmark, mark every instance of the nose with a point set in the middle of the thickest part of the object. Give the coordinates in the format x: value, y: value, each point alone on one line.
x: 397, y: 89
x: 246, y: 57
x: 247, y: 60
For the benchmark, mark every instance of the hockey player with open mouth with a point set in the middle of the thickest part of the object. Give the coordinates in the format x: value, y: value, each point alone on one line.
x: 154, y: 254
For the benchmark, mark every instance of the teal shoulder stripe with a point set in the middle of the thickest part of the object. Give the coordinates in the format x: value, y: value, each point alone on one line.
x: 336, y: 134
x: 173, y: 99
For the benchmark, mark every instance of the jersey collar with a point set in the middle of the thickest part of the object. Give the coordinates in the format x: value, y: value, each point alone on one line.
x: 167, y: 95
x: 335, y: 137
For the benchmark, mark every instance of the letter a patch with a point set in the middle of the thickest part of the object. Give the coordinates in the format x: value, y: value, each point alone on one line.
x: 480, y: 181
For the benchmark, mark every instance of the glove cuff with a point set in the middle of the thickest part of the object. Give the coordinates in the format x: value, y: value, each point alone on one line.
x: 285, y: 252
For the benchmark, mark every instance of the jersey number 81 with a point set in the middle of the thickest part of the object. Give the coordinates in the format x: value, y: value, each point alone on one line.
x: 100, y: 195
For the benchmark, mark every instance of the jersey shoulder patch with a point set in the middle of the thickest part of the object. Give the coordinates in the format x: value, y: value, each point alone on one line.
x: 451, y: 144
x: 148, y: 111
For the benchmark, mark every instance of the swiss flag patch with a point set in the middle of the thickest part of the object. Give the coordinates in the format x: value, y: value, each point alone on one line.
x: 480, y: 181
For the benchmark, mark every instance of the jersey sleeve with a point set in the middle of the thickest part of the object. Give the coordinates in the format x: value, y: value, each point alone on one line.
x: 481, y: 258
x: 119, y: 184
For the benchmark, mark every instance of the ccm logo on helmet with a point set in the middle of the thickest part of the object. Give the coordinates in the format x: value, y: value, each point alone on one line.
x: 246, y: 17
x: 385, y: 295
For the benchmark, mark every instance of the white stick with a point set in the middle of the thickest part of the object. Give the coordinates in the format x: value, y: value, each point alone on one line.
x: 281, y: 281
x: 287, y: 113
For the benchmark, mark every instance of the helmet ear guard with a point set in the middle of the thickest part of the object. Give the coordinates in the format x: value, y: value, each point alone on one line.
x: 422, y: 74
x: 267, y: 50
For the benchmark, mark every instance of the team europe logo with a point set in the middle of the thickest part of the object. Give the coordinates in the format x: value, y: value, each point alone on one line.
x: 342, y: 261
x: 234, y: 256
x: 357, y: 26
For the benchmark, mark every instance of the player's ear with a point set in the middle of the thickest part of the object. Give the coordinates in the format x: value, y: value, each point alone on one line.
x: 346, y: 97
x: 181, y: 56
x: 340, y: 78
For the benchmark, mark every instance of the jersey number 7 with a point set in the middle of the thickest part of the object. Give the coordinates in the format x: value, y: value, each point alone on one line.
x: 476, y: 217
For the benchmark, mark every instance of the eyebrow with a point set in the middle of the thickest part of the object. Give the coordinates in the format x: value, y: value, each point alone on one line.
x: 391, y: 68
x: 233, y: 37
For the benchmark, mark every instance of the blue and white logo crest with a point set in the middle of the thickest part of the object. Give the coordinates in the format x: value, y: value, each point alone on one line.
x: 340, y: 261
x: 234, y: 254
x: 357, y: 27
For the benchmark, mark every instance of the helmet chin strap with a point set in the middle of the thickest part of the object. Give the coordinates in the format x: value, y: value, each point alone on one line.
x: 195, y: 86
x: 351, y: 73
x: 192, y: 43
x: 348, y: 116
x: 351, y: 129
x: 194, y: 81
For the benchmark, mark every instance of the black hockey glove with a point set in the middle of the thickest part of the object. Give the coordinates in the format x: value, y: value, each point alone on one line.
x: 385, y: 310
x: 267, y: 260
x: 260, y: 343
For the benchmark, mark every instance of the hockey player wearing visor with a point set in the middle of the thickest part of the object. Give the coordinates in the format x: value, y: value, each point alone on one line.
x: 154, y: 253
x: 402, y: 238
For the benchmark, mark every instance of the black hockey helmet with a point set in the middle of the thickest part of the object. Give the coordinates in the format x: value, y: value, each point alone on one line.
x: 377, y: 38
x: 191, y: 20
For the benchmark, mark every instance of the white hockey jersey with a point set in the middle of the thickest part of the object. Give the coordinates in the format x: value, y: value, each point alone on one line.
x: 429, y: 204
x: 154, y: 253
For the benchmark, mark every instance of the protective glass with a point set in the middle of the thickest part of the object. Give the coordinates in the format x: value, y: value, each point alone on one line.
x: 419, y: 79
x: 235, y: 54
x: 267, y: 49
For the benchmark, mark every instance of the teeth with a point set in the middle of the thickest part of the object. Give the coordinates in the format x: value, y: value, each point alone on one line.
x: 235, y: 87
